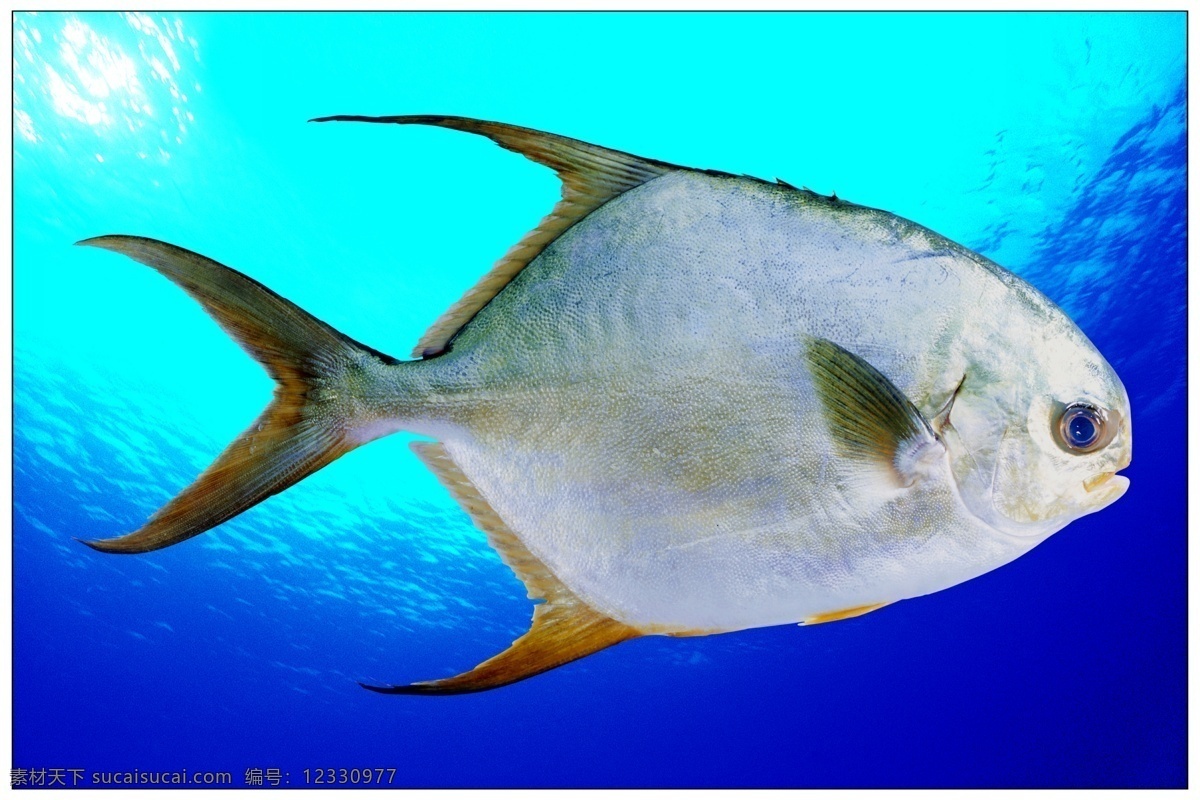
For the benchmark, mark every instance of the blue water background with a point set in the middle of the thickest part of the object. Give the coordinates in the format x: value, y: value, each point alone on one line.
x: 1052, y: 143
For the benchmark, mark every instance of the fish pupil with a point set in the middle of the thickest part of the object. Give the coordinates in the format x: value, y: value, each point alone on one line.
x: 1082, y: 429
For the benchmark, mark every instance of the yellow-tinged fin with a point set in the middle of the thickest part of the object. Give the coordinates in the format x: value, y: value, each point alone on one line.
x: 868, y: 417
x: 305, y: 427
x: 845, y: 613
x: 591, y: 176
x: 564, y: 627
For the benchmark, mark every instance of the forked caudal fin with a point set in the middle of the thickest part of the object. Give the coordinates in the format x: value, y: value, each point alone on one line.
x: 310, y: 422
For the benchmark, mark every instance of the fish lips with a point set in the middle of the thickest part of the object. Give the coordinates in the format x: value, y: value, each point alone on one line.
x: 1105, y: 489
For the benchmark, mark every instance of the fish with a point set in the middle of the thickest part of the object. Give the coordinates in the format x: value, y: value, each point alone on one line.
x: 690, y: 402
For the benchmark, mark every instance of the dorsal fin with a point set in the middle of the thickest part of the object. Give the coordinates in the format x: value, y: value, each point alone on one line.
x: 564, y: 627
x: 591, y: 176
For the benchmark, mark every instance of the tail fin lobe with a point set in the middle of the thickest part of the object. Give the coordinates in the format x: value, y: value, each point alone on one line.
x: 307, y: 425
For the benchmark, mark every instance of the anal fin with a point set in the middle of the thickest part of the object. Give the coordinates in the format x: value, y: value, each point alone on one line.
x: 564, y: 627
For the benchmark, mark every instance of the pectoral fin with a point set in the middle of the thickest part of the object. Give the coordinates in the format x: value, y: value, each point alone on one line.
x: 564, y: 627
x: 869, y: 418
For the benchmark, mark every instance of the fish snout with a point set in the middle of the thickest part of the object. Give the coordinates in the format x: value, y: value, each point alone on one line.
x: 1110, y: 481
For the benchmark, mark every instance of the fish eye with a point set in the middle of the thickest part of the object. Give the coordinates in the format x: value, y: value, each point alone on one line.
x: 1083, y: 428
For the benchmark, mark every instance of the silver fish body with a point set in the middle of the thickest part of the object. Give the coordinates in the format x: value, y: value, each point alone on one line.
x: 689, y: 403
x: 642, y: 414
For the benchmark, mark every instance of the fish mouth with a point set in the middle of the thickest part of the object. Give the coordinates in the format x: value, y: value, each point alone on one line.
x: 1106, y: 487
